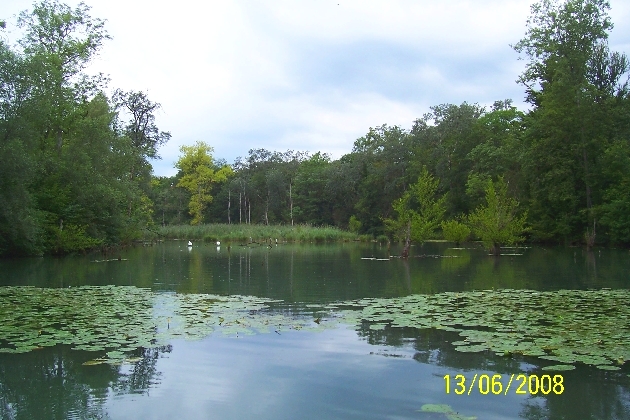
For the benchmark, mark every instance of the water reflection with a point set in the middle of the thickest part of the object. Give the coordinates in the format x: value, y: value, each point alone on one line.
x: 588, y: 392
x: 53, y: 383
x: 342, y: 373
x: 326, y: 272
x: 336, y: 374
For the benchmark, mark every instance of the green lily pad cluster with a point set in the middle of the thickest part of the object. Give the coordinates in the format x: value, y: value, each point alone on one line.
x: 195, y: 316
x: 445, y: 409
x: 566, y: 326
x: 120, y: 319
x: 87, y: 318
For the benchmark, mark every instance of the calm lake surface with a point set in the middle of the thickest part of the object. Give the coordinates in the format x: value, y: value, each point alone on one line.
x: 347, y: 372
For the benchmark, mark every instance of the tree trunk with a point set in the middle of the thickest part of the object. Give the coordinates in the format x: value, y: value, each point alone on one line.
x: 405, y: 252
x: 229, y: 204
x: 290, y: 204
x: 590, y: 238
x: 267, y: 209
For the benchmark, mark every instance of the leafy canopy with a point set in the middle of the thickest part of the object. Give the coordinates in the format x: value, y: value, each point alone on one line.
x: 497, y: 223
x: 199, y: 172
x: 419, y: 212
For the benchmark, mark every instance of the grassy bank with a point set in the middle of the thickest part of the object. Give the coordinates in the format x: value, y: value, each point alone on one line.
x: 255, y: 233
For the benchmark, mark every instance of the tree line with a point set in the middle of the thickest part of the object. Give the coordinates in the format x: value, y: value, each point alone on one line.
x: 75, y: 171
x: 558, y: 172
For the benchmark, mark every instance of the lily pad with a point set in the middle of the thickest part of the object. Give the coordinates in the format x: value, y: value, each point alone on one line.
x: 566, y: 326
x: 558, y: 367
x: 608, y: 367
x: 437, y: 408
x: 446, y: 410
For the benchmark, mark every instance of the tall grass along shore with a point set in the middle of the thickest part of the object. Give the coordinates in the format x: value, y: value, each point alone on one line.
x: 254, y: 233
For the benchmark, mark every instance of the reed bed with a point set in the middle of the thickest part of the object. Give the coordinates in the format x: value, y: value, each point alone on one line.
x: 255, y: 233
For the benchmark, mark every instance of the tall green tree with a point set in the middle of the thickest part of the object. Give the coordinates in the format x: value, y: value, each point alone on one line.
x: 141, y: 140
x: 58, y: 44
x: 71, y: 168
x: 573, y: 82
x: 312, y: 201
x: 384, y: 158
x: 418, y: 211
x: 497, y: 222
x: 20, y: 231
x: 198, y: 175
x: 441, y: 141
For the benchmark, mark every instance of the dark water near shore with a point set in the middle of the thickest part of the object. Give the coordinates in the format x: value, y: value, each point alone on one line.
x: 341, y: 373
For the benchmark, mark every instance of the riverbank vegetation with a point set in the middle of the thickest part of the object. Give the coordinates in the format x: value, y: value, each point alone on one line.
x: 229, y: 234
x: 76, y: 173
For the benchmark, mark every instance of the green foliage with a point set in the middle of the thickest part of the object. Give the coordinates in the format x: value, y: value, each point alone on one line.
x: 170, y: 202
x: 497, y: 223
x: 72, y: 156
x: 419, y: 212
x: 260, y: 234
x: 455, y: 231
x: 354, y: 225
x: 73, y: 238
x: 197, y: 167
x: 577, y: 88
x: 74, y: 176
x: 19, y: 224
x: 381, y: 167
x: 310, y: 190
x: 614, y: 213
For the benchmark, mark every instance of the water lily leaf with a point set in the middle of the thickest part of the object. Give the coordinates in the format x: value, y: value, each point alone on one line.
x: 94, y: 362
x: 558, y: 367
x: 457, y: 416
x: 471, y: 349
x: 437, y: 408
x: 608, y: 367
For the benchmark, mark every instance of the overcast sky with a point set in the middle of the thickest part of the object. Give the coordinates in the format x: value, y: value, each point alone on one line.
x: 304, y: 74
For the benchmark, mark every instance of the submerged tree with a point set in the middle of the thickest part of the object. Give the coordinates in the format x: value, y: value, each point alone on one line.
x: 199, y: 173
x: 419, y: 212
x: 455, y: 231
x: 497, y: 222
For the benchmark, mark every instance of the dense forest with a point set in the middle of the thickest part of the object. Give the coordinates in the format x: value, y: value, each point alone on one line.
x: 76, y: 173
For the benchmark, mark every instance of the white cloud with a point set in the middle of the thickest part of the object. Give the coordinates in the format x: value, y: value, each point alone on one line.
x: 309, y: 74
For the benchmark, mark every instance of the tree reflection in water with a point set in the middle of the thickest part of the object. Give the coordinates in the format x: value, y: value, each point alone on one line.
x: 53, y: 383
x: 589, y: 393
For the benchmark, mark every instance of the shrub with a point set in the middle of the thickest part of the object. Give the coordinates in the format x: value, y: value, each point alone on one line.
x: 455, y: 231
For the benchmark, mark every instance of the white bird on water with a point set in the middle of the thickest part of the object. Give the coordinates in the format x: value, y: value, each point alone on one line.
x: 189, y: 243
x: 218, y: 243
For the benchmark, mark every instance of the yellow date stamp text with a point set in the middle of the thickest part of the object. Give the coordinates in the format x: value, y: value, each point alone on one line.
x: 521, y: 384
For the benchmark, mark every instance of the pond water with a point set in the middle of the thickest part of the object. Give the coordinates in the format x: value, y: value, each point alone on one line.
x: 313, y: 363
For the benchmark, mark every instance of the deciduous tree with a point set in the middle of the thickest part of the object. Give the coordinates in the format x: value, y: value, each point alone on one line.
x: 419, y: 212
x: 199, y: 173
x: 497, y: 222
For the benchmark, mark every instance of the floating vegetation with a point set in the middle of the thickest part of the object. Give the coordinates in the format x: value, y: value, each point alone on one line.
x: 558, y: 368
x: 445, y: 409
x: 87, y: 318
x: 117, y: 320
x: 565, y: 327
